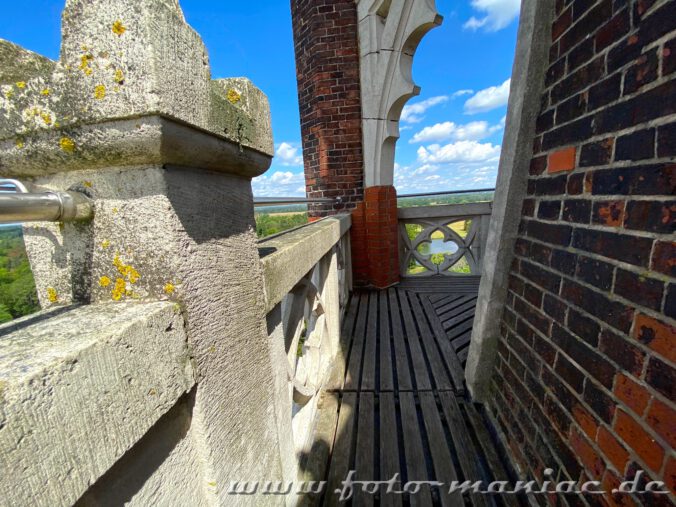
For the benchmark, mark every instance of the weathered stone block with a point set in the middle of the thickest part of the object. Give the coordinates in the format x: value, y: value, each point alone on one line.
x: 78, y: 388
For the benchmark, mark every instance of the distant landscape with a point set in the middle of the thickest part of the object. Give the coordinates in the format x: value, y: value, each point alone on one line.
x: 17, y: 287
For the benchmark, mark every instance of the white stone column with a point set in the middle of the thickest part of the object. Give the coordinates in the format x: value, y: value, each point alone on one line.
x: 131, y: 117
x: 389, y: 34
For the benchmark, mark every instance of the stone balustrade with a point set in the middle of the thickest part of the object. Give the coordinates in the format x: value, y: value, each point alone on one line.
x: 307, y: 282
x: 150, y: 377
x: 459, y: 230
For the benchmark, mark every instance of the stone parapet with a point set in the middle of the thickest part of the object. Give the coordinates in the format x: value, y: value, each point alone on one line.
x: 80, y: 386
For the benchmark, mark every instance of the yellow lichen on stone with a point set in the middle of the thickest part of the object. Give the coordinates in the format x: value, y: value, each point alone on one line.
x: 87, y: 184
x: 104, y: 281
x: 126, y: 270
x: 67, y: 144
x: 52, y: 295
x: 8, y: 92
x: 100, y: 92
x: 169, y: 288
x: 234, y: 96
x: 20, y: 145
x: 21, y: 84
x: 119, y: 76
x: 85, y: 61
x: 45, y: 92
x: 105, y: 243
x: 119, y: 28
x: 115, y: 210
x: 119, y: 289
x: 47, y: 118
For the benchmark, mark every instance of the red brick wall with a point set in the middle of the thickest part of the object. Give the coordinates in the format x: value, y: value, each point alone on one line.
x: 586, y: 376
x: 327, y: 65
x: 375, y: 247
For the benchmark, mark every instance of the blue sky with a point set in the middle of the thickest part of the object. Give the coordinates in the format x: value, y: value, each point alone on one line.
x: 450, y: 134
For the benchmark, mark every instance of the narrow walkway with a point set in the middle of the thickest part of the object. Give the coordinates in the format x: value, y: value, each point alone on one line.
x: 397, y: 403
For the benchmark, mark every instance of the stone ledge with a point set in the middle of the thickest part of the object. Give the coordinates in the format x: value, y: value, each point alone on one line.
x: 150, y: 140
x: 79, y: 386
x: 288, y: 257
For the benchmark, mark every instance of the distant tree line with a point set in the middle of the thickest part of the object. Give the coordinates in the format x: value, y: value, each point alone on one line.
x: 17, y: 286
x: 269, y: 224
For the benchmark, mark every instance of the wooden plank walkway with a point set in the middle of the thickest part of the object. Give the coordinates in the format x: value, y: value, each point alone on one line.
x: 397, y: 404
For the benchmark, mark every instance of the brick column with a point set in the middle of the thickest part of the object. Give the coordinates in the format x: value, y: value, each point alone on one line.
x: 327, y: 65
x: 327, y: 62
x: 375, y: 248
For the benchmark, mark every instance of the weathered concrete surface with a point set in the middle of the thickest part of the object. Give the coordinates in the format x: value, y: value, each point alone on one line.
x: 19, y: 64
x: 121, y: 60
x: 286, y: 258
x: 162, y: 469
x: 78, y: 387
x: 530, y: 65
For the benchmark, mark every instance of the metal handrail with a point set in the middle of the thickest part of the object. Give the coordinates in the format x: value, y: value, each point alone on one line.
x: 448, y: 192
x: 23, y: 206
x: 279, y: 201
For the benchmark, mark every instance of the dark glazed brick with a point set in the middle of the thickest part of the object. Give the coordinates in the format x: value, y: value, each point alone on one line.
x: 613, y: 30
x: 655, y: 103
x: 586, y: 24
x: 545, y: 121
x: 528, y: 208
x: 669, y: 57
x: 564, y: 262
x: 664, y: 258
x: 658, y: 23
x: 542, y: 277
x: 662, y: 377
x: 538, y: 165
x: 636, y: 146
x: 605, y: 92
x: 577, y: 210
x: 653, y: 216
x: 642, y: 73
x: 575, y: 184
x: 594, y: 272
x: 579, y: 79
x: 554, y: 307
x: 670, y: 302
x: 666, y: 140
x: 639, y: 289
x: 594, y: 364
x: 571, y: 109
x: 622, y: 247
x: 601, y: 403
x: 555, y: 72
x: 549, y: 233
x: 659, y: 179
x: 570, y: 374
x: 620, y: 350
x: 549, y: 210
x: 562, y: 23
x: 584, y: 327
x: 597, y: 153
x: 569, y: 134
x: 626, y: 51
x: 614, y: 313
x: 582, y: 53
x: 551, y: 186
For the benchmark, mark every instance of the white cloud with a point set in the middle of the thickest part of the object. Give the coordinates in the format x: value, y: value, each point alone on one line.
x: 445, y: 176
x: 288, y: 154
x: 488, y: 99
x: 460, y: 93
x: 279, y: 184
x: 472, y: 131
x: 413, y: 113
x: 462, y: 151
x: 497, y: 14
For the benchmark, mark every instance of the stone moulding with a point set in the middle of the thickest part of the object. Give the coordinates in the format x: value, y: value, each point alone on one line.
x: 389, y: 34
x: 80, y: 386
